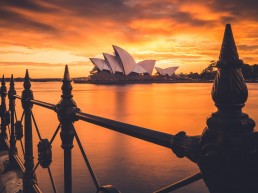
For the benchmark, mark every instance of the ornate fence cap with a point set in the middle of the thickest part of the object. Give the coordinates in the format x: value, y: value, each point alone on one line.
x: 3, y: 78
x: 228, y: 54
x: 229, y: 90
x: 11, y: 91
x: 3, y: 87
x: 11, y: 78
x: 67, y: 86
x: 27, y: 83
x: 11, y: 83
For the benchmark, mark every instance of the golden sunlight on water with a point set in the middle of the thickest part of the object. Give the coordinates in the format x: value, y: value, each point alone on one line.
x: 132, y: 165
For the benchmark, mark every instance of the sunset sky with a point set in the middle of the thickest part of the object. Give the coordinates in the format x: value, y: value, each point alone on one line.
x: 43, y: 36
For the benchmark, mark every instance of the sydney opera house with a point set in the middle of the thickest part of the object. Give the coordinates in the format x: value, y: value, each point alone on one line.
x: 122, y: 65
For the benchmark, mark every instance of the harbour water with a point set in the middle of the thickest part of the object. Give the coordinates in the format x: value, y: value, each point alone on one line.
x: 132, y: 165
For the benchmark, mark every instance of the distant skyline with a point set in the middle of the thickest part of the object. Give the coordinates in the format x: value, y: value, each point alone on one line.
x: 43, y: 36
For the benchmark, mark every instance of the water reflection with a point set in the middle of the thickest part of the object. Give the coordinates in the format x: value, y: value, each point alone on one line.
x: 130, y: 164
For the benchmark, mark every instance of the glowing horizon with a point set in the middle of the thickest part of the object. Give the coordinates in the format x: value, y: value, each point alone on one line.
x: 43, y: 36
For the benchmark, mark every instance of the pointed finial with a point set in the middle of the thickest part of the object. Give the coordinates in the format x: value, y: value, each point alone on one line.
x: 11, y: 82
x: 66, y: 101
x: 11, y: 92
x: 27, y: 84
x: 67, y: 74
x: 3, y: 80
x: 3, y: 88
x: 67, y: 86
x: 27, y: 94
x: 27, y: 74
x: 228, y: 54
x: 229, y: 89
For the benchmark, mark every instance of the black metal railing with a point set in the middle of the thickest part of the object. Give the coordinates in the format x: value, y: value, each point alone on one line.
x: 67, y: 113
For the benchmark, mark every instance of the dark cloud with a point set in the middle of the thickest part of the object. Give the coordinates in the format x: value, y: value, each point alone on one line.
x: 97, y: 13
x: 227, y: 19
x: 248, y: 47
x: 119, y: 11
x: 27, y: 5
x: 12, y: 19
x: 184, y: 17
x: 238, y: 9
x: 97, y: 9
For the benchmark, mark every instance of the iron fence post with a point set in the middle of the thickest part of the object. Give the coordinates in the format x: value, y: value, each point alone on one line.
x: 65, y: 111
x: 13, y: 149
x: 229, y: 145
x: 29, y: 178
x: 3, y: 92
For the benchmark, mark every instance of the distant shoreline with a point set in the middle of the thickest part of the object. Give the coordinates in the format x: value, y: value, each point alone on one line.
x: 36, y: 79
x: 145, y: 82
x: 107, y: 82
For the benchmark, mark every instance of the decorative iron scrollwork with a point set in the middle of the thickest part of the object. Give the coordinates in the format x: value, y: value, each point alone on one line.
x: 44, y: 153
x: 18, y: 130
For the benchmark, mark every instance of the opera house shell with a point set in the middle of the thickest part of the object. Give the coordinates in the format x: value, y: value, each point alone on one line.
x: 166, y: 71
x: 122, y: 62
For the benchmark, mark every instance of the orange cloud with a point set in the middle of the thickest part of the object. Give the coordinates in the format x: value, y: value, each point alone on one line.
x: 183, y: 33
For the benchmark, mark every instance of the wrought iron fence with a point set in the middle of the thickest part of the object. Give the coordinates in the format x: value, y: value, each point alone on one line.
x: 67, y: 113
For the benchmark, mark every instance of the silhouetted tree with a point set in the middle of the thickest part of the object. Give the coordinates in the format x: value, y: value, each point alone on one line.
x: 247, y: 71
x: 194, y: 75
x: 209, y: 73
x: 255, y: 72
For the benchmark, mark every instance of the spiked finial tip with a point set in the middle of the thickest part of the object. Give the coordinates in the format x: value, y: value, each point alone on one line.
x: 27, y: 74
x: 228, y: 53
x: 67, y: 86
x: 12, y: 84
x: 3, y: 80
x: 12, y: 79
x: 67, y: 74
x: 26, y: 83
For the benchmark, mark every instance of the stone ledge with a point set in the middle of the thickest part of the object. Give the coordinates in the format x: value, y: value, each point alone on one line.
x: 10, y: 179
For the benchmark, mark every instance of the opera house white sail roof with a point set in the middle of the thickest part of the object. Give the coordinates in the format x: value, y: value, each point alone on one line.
x: 122, y: 62
x: 100, y: 64
x: 125, y: 59
x: 113, y: 63
x: 148, y: 65
x: 166, y: 71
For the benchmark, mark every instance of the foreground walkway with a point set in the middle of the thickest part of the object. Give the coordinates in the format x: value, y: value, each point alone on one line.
x: 10, y: 179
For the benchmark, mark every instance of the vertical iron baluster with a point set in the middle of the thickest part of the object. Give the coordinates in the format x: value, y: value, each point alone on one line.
x: 29, y: 179
x: 13, y: 149
x: 65, y: 109
x: 3, y: 92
